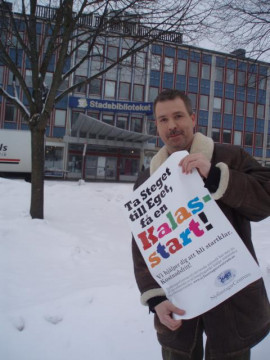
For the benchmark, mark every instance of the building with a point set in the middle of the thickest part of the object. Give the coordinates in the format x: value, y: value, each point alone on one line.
x: 106, y: 130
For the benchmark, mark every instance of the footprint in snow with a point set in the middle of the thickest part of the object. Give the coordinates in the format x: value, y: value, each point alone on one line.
x: 18, y: 323
x: 53, y: 319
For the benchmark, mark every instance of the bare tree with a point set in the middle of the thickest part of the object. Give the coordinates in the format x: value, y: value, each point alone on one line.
x: 72, y: 28
x: 242, y: 24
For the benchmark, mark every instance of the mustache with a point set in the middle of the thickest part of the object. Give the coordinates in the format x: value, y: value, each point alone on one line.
x: 176, y: 132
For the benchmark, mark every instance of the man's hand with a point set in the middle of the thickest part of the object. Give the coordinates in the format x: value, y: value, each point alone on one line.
x: 164, y: 311
x: 198, y: 161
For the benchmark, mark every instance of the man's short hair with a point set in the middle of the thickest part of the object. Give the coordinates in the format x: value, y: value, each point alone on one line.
x: 172, y: 94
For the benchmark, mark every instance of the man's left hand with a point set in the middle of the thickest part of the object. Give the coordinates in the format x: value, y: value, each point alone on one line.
x: 196, y: 161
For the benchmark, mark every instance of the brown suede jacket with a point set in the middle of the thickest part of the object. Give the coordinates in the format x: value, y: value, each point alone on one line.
x: 243, y: 194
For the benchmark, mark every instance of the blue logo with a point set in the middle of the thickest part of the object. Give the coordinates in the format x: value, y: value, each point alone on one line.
x: 225, y: 277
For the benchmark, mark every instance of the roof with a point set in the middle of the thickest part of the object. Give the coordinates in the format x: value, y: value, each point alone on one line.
x: 87, y: 127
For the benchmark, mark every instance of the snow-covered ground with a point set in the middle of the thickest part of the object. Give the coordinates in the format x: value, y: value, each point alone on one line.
x: 67, y: 289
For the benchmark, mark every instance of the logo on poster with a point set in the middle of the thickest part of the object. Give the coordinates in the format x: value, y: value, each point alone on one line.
x: 225, y: 277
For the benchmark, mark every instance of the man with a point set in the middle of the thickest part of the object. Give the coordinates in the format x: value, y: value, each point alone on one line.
x: 241, y: 188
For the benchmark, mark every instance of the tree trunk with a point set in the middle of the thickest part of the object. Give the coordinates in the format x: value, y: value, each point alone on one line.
x: 38, y: 156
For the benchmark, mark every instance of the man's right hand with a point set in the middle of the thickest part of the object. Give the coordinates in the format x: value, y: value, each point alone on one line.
x: 164, y: 311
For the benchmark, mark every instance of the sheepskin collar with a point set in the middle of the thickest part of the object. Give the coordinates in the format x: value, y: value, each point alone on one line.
x: 201, y: 144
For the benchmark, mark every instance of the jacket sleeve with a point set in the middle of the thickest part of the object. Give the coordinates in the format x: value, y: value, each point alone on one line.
x: 147, y: 285
x: 244, y: 185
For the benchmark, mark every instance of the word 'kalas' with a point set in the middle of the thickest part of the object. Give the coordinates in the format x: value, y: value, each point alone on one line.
x: 151, y: 237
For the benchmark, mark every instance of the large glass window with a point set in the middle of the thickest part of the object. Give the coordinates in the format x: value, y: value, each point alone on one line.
x: 228, y: 106
x: 54, y: 158
x: 155, y: 62
x: 153, y: 93
x: 217, y: 104
x: 248, y: 139
x: 262, y: 82
x: 124, y: 91
x: 237, y: 138
x: 230, y: 76
x: 140, y: 59
x: 250, y: 110
x: 10, y: 113
x: 252, y: 80
x: 168, y: 64
x: 138, y: 93
x: 181, y: 67
x: 239, y: 107
x: 1, y: 74
x: 60, y: 118
x: 227, y: 137
x: 205, y: 72
x: 259, y: 140
x: 112, y: 53
x: 241, y: 78
x: 80, y: 88
x: 204, y: 102
x: 260, y: 111
x: 108, y: 119
x: 136, y: 124
x: 193, y: 98
x: 95, y: 87
x: 122, y: 122
x: 219, y: 74
x: 109, y: 89
x: 193, y: 69
x: 216, y: 135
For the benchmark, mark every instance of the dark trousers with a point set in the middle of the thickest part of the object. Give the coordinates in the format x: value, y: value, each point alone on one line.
x: 197, y: 354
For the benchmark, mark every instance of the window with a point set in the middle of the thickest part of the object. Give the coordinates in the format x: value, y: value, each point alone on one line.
x: 248, y: 139
x: 241, y: 78
x: 140, y: 59
x: 95, y: 87
x: 60, y: 118
x: 262, y: 82
x: 155, y: 62
x: 228, y: 106
x: 216, y: 135
x: 250, y: 110
x: 10, y: 113
x: 96, y: 65
x: 108, y: 119
x: 168, y: 64
x: 122, y: 122
x: 230, y: 76
x: 252, y: 80
x: 217, y: 104
x: 205, y: 72
x: 227, y: 137
x: 125, y: 74
x: 204, y: 102
x: 181, y: 67
x: 124, y: 91
x: 112, y: 53
x: 193, y: 98
x: 202, y: 130
x: 259, y: 140
x: 81, y: 88
x: 239, y: 108
x: 237, y: 139
x: 219, y: 74
x: 128, y: 60
x: 138, y: 93
x: 260, y: 111
x: 193, y: 69
x: 153, y: 93
x: 109, y: 89
x: 136, y: 124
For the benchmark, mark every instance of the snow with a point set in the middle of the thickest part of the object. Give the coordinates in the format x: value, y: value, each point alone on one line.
x: 67, y: 289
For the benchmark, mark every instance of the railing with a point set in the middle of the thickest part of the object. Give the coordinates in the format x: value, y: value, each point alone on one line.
x: 122, y: 26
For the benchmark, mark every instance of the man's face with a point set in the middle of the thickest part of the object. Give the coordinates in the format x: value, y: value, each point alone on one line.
x: 174, y: 124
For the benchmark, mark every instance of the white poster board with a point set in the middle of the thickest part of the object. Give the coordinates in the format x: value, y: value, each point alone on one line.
x: 189, y: 246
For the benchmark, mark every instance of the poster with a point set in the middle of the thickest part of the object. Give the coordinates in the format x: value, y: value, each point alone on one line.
x: 189, y: 246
